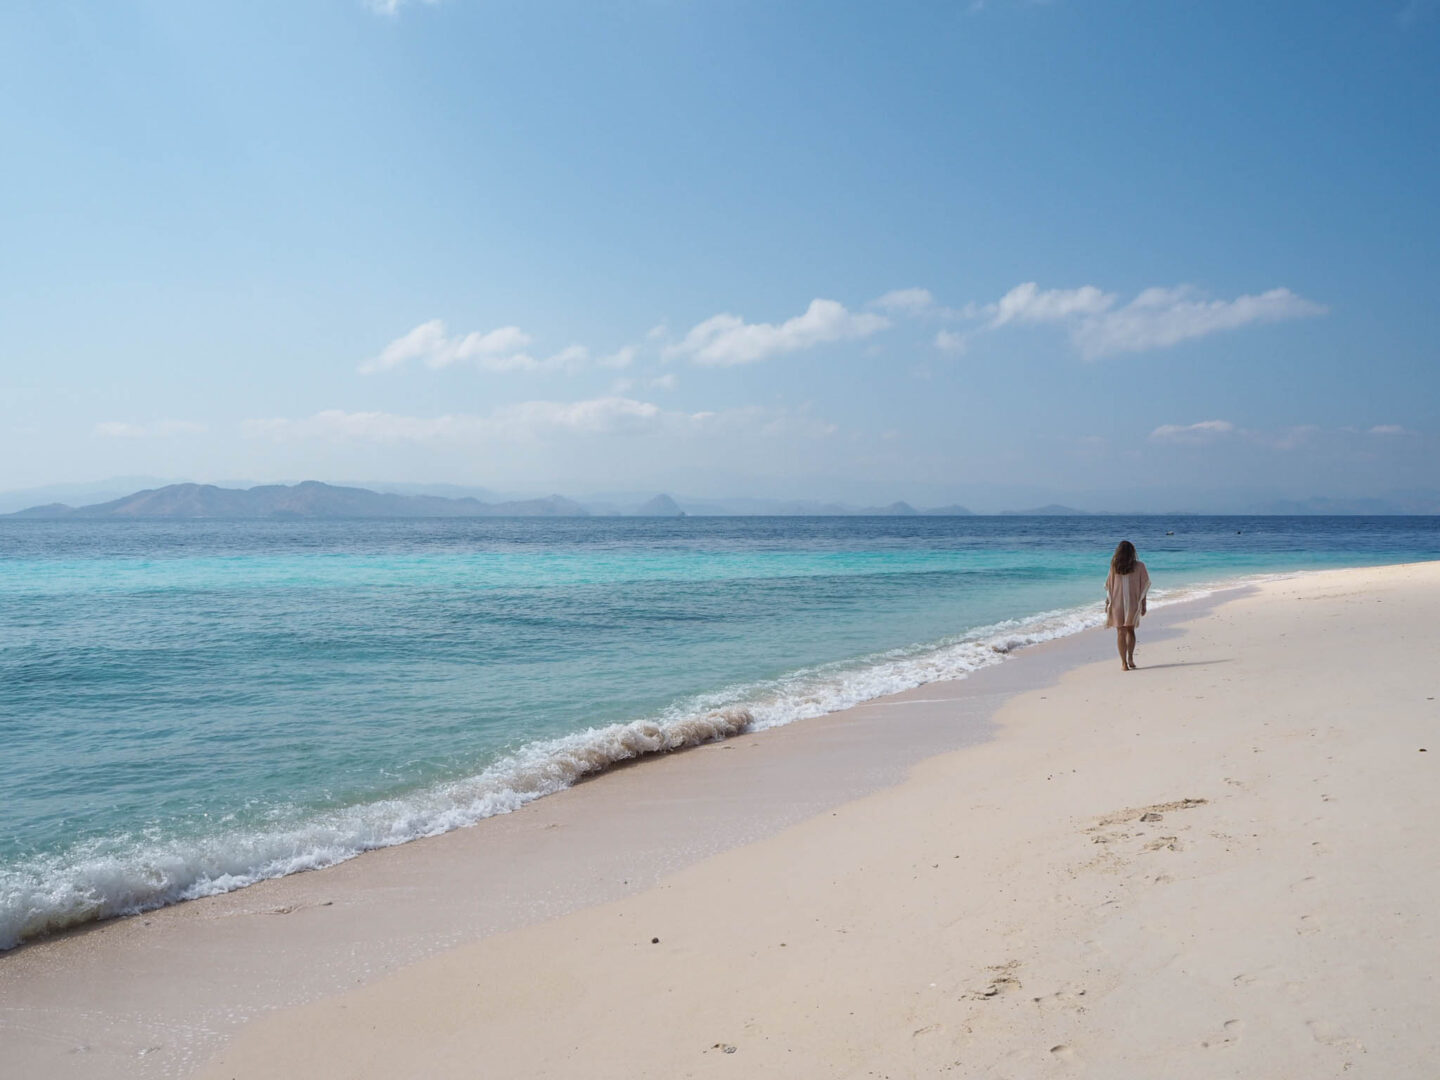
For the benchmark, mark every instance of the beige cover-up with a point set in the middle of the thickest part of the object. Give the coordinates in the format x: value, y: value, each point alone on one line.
x: 1124, y: 593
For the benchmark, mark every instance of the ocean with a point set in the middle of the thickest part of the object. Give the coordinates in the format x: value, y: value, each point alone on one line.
x: 190, y: 707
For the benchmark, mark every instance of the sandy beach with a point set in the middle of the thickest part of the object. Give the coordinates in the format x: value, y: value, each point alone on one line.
x: 1221, y: 864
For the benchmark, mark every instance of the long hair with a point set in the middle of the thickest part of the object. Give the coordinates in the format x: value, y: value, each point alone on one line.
x: 1123, y: 561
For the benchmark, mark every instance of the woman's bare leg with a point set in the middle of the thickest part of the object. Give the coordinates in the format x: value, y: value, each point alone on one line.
x: 1121, y: 633
x: 1130, y: 646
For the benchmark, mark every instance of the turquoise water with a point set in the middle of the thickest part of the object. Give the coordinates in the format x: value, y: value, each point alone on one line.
x: 193, y: 706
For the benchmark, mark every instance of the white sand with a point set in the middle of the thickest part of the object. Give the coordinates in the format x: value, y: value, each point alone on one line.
x: 1009, y: 910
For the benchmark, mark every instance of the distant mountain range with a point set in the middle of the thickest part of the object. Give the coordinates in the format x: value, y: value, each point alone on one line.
x: 311, y: 499
x: 315, y: 500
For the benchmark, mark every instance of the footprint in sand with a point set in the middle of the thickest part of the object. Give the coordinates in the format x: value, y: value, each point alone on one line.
x: 1104, y: 832
x: 1003, y: 982
x: 1165, y: 843
x: 1065, y: 998
x: 1150, y: 813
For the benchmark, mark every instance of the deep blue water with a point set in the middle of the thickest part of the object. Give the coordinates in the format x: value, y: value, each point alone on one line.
x: 191, y: 706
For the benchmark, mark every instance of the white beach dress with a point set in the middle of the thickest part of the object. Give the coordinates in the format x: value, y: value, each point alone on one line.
x: 1124, y: 594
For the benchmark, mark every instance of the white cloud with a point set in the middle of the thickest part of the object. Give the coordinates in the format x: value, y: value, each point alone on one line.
x: 567, y: 359
x: 116, y: 429
x: 493, y: 350
x: 499, y: 350
x: 664, y: 382
x: 572, y: 356
x: 907, y: 301
x: 614, y: 415
x: 949, y: 341
x: 727, y: 339
x: 1029, y: 303
x: 1156, y: 318
x: 1161, y: 317
x: 620, y: 358
x: 1285, y: 439
x: 1203, y: 431
x: 598, y: 416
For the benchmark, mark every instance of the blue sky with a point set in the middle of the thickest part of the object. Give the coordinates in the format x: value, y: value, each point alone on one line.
x: 1150, y: 253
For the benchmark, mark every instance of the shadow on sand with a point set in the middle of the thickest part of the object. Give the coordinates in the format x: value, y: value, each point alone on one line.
x: 1180, y: 663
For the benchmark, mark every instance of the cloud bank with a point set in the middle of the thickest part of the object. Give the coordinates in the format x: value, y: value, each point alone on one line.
x: 432, y: 345
x: 1156, y: 318
x: 1160, y: 317
x: 532, y: 420
x: 1203, y: 431
x: 1028, y: 303
x: 1098, y: 325
x: 724, y: 340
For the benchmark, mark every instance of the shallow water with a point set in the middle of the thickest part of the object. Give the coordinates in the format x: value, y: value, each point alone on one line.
x: 192, y: 706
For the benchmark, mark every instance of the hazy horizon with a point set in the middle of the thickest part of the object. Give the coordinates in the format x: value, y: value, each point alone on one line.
x: 1235, y: 501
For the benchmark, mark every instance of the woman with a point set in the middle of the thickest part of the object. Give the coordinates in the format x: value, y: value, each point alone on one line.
x: 1125, y: 591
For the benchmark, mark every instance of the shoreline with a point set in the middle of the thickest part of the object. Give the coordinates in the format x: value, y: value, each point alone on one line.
x: 368, y: 921
x: 544, y: 767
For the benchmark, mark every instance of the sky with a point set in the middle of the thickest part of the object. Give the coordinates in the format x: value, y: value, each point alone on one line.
x: 1124, y: 254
